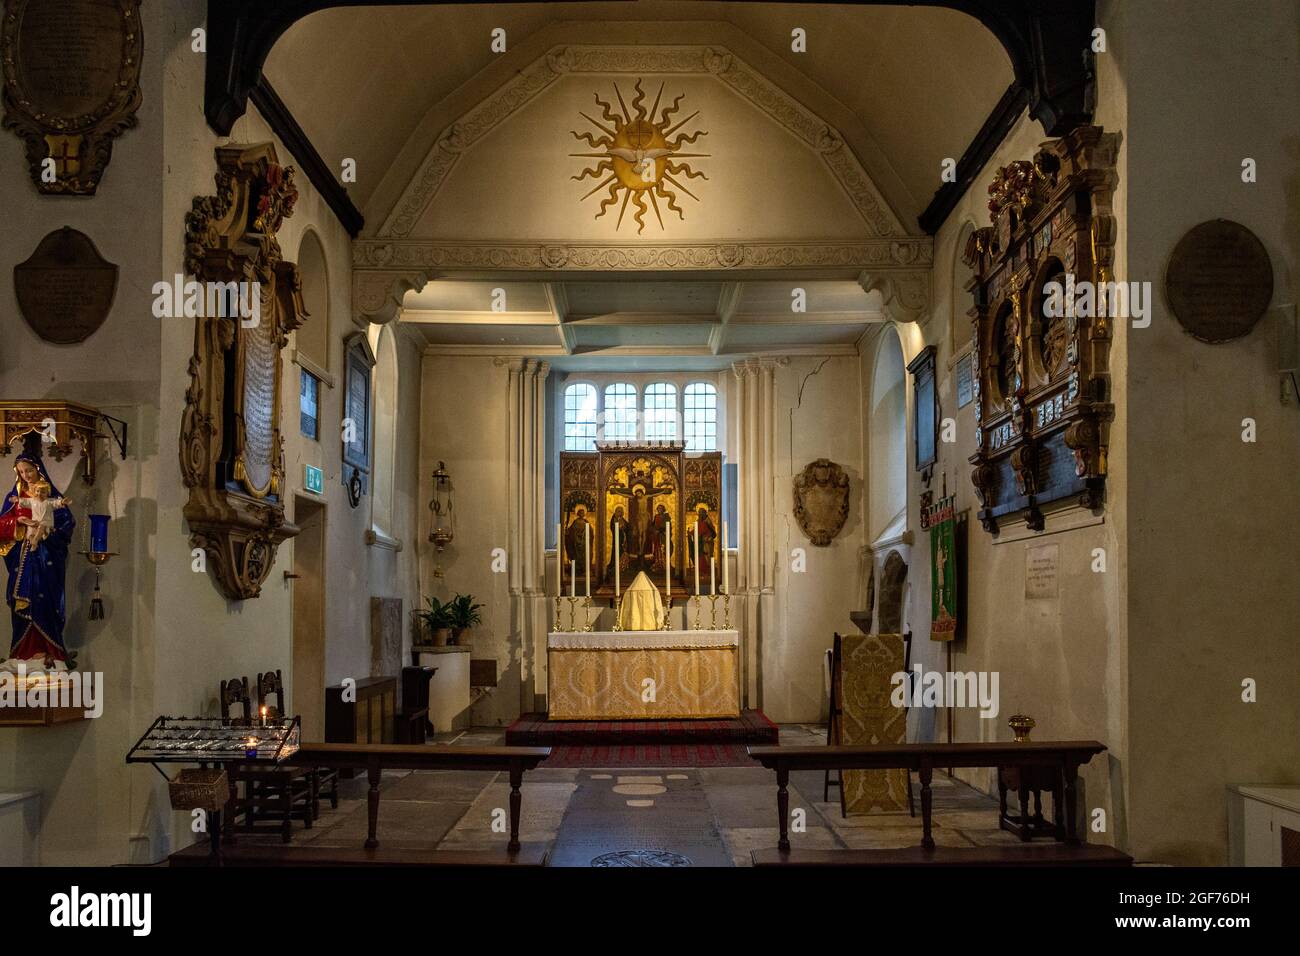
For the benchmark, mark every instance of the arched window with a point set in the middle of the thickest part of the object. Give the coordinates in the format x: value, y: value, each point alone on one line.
x: 888, y: 464
x: 661, y: 411
x: 580, y: 418
x: 700, y: 414
x: 620, y: 412
x: 385, y: 398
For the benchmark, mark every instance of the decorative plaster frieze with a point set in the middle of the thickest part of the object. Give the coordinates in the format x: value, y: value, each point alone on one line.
x: 686, y: 60
x: 880, y: 256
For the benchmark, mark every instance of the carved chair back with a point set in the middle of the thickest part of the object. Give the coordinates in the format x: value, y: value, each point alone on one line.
x: 268, y: 685
x: 234, y: 693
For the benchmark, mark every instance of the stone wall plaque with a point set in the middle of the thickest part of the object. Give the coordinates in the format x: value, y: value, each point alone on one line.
x: 1219, y: 281
x: 65, y: 290
x: 1042, y: 571
x: 71, y: 85
x: 821, y: 501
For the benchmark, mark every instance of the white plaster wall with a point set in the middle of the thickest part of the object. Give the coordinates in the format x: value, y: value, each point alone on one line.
x: 465, y: 413
x: 1061, y: 661
x: 87, y: 797
x: 763, y: 183
x: 1213, y: 562
x: 809, y: 606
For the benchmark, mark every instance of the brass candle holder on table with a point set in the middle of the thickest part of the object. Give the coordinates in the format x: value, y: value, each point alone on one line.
x: 618, y: 613
x: 698, y: 601
x: 586, y: 614
x: 726, y: 611
x: 668, y: 610
x: 558, y: 599
x: 713, y: 612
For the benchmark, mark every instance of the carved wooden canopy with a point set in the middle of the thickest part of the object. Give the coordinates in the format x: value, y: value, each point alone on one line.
x: 1042, y: 388
x: 231, y: 450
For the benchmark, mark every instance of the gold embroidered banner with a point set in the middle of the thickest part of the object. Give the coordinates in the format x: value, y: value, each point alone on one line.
x: 869, y: 717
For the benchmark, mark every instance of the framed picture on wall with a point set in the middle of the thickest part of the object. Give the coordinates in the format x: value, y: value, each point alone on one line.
x: 355, y: 426
x: 926, y: 403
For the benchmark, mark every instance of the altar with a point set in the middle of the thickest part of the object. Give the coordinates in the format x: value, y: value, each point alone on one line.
x: 642, y: 675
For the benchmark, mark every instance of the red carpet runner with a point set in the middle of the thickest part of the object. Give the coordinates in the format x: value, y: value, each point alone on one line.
x: 650, y: 756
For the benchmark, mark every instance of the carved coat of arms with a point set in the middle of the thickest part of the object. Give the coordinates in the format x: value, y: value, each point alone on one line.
x: 821, y: 500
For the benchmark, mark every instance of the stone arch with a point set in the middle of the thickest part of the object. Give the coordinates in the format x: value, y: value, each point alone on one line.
x: 892, y: 579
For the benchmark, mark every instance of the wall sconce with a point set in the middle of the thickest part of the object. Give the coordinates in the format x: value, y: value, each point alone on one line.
x: 97, y: 554
x: 442, y: 531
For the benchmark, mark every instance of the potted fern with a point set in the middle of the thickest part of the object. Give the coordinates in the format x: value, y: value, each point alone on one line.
x: 463, y: 614
x: 437, y: 617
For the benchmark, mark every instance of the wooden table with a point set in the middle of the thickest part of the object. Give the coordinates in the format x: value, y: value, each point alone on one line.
x: 1068, y: 756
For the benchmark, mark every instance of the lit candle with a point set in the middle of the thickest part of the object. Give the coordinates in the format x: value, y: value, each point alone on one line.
x: 713, y: 568
x: 586, y: 553
x: 250, y: 748
x: 99, y: 534
x: 668, y: 557
x: 559, y: 545
x: 263, y: 716
x: 695, y: 536
x: 617, y: 569
x: 573, y: 578
x: 725, y: 579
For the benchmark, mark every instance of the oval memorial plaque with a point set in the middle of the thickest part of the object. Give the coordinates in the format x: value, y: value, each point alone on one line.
x: 1219, y: 281
x: 71, y: 84
x: 66, y: 288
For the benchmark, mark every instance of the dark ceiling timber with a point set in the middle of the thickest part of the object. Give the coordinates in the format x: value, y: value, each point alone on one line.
x: 1047, y: 41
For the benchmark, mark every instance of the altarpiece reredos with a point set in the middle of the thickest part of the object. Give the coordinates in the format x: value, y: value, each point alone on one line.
x: 658, y: 498
x: 1044, y: 300
x: 248, y: 301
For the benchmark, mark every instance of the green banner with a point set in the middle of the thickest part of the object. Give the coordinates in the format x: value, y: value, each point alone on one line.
x: 943, y: 572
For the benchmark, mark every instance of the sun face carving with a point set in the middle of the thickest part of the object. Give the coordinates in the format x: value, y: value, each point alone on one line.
x: 639, y: 156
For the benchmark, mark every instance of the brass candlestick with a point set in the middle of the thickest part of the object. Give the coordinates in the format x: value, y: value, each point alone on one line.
x: 726, y: 611
x: 558, y: 599
x: 586, y: 614
x: 668, y: 609
x: 713, y: 612
x: 1021, y: 725
x: 696, y: 626
x: 618, y: 613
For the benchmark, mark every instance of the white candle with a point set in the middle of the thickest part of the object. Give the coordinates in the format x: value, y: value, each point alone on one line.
x: 696, y: 537
x: 713, y: 570
x: 586, y: 553
x: 617, y: 569
x: 668, y: 557
x: 725, y: 579
x: 573, y: 578
x: 559, y: 550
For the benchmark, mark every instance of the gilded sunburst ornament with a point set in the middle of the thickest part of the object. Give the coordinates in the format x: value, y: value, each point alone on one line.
x: 639, y: 156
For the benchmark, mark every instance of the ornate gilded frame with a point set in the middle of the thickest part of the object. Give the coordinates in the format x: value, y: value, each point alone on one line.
x: 235, y: 508
x: 85, y: 140
x: 1042, y: 384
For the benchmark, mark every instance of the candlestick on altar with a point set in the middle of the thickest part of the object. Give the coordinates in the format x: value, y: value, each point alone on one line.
x: 668, y: 558
x: 617, y: 575
x: 586, y: 553
x: 726, y: 588
x: 573, y: 578
x: 695, y: 537
x: 713, y: 573
x: 559, y: 559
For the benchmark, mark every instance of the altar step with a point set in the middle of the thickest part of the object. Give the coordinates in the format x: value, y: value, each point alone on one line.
x: 535, y: 730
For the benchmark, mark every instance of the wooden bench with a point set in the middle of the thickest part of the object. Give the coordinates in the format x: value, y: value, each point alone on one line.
x: 376, y: 758
x: 262, y: 855
x: 1067, y: 756
x: 1043, y: 854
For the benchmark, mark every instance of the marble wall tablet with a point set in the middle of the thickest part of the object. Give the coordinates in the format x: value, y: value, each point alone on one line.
x: 1219, y: 281
x: 65, y: 290
x: 71, y: 85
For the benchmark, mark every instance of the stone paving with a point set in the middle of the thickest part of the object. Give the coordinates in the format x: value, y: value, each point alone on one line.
x: 636, y: 817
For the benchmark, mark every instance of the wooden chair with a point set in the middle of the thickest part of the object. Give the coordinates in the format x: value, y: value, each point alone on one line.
x: 271, y: 685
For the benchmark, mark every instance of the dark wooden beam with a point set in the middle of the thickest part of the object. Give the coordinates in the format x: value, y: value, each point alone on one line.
x: 309, y: 160
x: 981, y: 148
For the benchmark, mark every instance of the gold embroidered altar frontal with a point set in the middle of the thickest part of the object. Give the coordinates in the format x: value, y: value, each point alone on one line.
x: 602, y: 675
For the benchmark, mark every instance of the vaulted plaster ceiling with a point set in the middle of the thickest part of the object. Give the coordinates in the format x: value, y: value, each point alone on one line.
x: 906, y: 86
